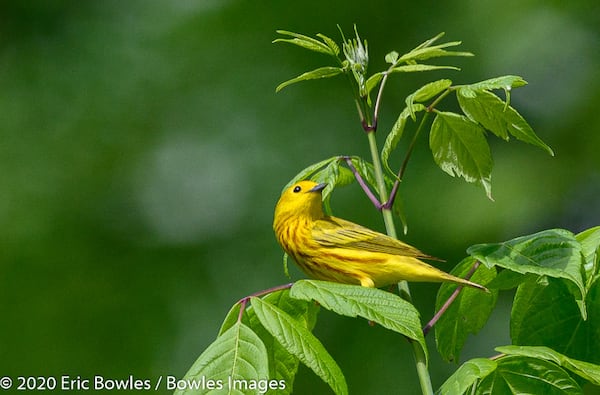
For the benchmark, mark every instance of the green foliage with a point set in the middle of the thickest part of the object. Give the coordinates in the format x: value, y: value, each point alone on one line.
x: 460, y: 149
x: 469, y: 312
x: 237, y: 354
x: 553, y: 253
x: 555, y: 317
x: 383, y: 308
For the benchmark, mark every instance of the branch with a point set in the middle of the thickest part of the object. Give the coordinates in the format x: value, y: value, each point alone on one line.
x: 448, y: 302
x: 244, y: 301
x: 362, y: 183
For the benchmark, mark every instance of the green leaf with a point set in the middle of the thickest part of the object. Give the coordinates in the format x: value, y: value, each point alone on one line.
x: 384, y: 308
x: 428, y: 91
x: 372, y: 81
x: 588, y: 371
x: 429, y: 42
x: 506, y: 82
x: 507, y: 279
x: 493, y: 114
x: 467, y: 376
x: 395, y: 135
x: 555, y: 253
x: 285, y: 265
x: 334, y: 175
x: 590, y: 246
x: 392, y: 57
x: 335, y: 49
x: 308, y: 171
x: 305, y: 42
x: 282, y: 364
x: 424, y: 52
x: 300, y: 342
x: 238, y: 354
x: 468, y: 313
x: 321, y: 72
x: 460, y: 149
x: 525, y: 375
x: 411, y: 68
x: 544, y: 313
x: 367, y: 172
x: 230, y: 319
x: 424, y: 93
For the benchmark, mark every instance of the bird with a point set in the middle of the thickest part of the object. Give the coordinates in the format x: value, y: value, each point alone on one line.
x: 334, y: 249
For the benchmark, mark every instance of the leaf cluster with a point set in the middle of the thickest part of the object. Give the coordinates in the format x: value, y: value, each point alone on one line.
x: 555, y: 316
x: 457, y: 140
x: 554, y: 321
x: 274, y: 334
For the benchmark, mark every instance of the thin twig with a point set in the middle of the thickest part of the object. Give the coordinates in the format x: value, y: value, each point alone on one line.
x: 362, y: 183
x: 244, y: 301
x: 379, y: 95
x: 409, y: 152
x: 448, y: 302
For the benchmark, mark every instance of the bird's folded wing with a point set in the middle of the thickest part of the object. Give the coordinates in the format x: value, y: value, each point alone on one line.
x: 338, y: 233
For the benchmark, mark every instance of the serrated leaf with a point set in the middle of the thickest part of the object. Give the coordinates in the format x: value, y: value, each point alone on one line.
x: 334, y: 175
x: 308, y: 171
x: 304, y: 42
x: 330, y: 43
x: 493, y: 114
x: 482, y: 107
x: 460, y: 149
x: 238, y: 354
x: 282, y: 364
x: 384, y: 308
x: 321, y: 72
x: 555, y: 253
x: 432, y: 52
x: 586, y: 370
x: 301, y: 343
x: 424, y: 93
x: 505, y: 82
x: 468, y: 313
x: 395, y: 135
x: 590, y: 247
x: 426, y: 51
x: 429, y: 90
x: 525, y: 375
x: 411, y: 68
x: 467, y: 376
x: 544, y: 313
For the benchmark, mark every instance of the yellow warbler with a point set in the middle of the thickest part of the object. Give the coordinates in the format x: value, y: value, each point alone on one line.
x: 333, y: 249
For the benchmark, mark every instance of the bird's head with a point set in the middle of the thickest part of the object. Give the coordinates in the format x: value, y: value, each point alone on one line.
x: 301, y: 199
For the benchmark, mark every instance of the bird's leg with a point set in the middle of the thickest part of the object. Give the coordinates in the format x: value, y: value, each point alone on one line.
x: 378, y: 205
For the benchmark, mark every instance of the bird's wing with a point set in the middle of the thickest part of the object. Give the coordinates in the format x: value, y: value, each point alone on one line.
x: 335, y: 232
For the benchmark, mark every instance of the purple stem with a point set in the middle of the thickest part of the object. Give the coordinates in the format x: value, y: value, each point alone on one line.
x: 362, y: 183
x: 447, y: 304
x: 244, y: 301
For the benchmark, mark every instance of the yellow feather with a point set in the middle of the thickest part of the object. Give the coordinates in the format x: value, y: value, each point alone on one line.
x: 333, y: 249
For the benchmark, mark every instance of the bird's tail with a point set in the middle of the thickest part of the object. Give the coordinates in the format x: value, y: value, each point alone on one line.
x: 462, y: 281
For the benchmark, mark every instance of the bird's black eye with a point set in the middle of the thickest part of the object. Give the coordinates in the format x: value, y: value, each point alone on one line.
x: 297, y: 189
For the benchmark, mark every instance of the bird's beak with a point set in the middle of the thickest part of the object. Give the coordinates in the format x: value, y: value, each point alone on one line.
x: 318, y: 187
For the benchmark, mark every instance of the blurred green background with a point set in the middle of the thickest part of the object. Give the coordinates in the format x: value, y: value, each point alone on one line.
x: 143, y: 147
